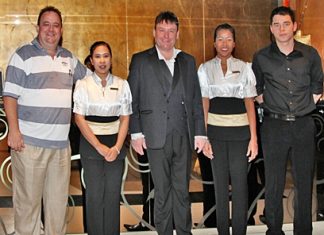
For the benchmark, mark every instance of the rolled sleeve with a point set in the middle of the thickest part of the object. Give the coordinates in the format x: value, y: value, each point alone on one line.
x: 316, y: 75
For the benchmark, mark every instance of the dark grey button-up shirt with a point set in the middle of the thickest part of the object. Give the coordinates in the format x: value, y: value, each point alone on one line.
x: 288, y: 82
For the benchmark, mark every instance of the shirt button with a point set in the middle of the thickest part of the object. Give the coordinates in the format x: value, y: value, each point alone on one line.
x: 290, y: 103
x: 288, y: 69
x: 289, y: 81
x: 290, y: 92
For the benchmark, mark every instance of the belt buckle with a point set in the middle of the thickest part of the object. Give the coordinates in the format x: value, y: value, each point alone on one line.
x: 290, y: 118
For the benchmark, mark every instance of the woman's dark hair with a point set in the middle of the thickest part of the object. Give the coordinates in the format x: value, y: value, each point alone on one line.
x: 100, y: 43
x: 87, y: 63
x: 224, y: 26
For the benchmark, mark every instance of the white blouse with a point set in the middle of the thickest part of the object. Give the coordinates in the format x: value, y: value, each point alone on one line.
x: 92, y: 99
x: 238, y: 82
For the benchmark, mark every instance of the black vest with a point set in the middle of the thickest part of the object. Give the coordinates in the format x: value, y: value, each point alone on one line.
x: 177, y: 118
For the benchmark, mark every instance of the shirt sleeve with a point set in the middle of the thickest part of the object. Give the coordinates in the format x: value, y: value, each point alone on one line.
x: 15, y: 77
x: 250, y: 82
x: 203, y: 81
x: 80, y: 71
x: 258, y: 75
x: 80, y: 97
x: 316, y: 75
x: 126, y: 100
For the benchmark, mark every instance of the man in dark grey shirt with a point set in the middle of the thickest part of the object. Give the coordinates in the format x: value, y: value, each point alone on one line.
x: 289, y: 83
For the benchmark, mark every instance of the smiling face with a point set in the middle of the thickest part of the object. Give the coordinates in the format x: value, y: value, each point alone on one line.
x: 49, y: 30
x: 224, y: 44
x: 166, y: 35
x: 283, y: 28
x: 101, y: 61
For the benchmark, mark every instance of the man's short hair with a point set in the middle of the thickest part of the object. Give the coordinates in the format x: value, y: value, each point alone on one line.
x: 168, y: 17
x: 47, y: 9
x: 282, y: 11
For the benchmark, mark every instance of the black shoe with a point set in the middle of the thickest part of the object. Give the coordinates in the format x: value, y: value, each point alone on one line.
x: 263, y: 219
x: 136, y: 227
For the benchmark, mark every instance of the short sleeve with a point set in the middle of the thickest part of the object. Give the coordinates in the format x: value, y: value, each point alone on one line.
x: 203, y: 81
x: 250, y: 82
x: 80, y: 97
x: 126, y: 100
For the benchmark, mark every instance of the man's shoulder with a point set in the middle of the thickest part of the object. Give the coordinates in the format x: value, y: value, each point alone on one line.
x: 307, y: 50
x: 65, y: 52
x: 145, y: 52
x: 186, y: 55
x: 27, y: 51
x: 264, y: 50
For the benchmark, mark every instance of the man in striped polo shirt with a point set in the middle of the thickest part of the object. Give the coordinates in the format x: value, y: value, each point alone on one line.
x: 37, y: 100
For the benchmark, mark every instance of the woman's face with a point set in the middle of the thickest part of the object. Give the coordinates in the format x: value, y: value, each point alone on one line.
x: 224, y: 43
x: 101, y: 61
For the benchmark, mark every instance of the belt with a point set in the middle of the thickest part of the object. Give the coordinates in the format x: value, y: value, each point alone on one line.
x: 283, y: 117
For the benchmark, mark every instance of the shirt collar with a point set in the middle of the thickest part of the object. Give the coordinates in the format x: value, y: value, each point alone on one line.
x: 97, y: 79
x: 161, y: 57
x: 36, y: 43
x: 297, y: 51
x: 218, y: 60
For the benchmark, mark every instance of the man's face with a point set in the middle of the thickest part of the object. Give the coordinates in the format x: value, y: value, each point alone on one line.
x: 166, y: 35
x: 283, y: 28
x: 49, y: 30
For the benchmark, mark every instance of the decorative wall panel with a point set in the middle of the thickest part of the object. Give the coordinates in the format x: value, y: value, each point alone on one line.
x: 127, y: 25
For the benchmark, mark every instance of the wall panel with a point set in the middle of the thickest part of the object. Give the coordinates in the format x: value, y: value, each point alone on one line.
x: 127, y: 25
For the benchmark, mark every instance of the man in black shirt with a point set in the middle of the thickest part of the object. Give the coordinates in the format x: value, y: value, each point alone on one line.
x: 289, y: 83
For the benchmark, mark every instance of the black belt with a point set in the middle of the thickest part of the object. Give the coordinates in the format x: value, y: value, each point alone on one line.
x: 101, y: 119
x: 284, y: 117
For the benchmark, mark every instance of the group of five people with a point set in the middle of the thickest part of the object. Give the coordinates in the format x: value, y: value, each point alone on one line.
x: 170, y: 109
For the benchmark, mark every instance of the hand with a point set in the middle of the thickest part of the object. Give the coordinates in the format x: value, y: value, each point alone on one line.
x: 15, y: 141
x: 112, y: 154
x: 139, y: 145
x: 103, y: 150
x: 252, y: 151
x: 200, y: 143
x: 208, y: 151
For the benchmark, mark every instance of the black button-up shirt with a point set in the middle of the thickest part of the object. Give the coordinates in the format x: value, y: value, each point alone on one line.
x: 288, y: 82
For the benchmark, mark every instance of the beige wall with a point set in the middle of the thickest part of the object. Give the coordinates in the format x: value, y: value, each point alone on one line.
x: 127, y: 25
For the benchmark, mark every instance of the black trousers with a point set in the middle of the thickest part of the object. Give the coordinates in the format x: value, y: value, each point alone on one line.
x: 103, y: 186
x: 230, y: 165
x: 170, y: 169
x: 208, y: 190
x: 283, y: 140
x: 148, y: 185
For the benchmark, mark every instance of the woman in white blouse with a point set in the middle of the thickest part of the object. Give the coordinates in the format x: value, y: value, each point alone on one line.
x: 102, y: 105
x: 228, y: 89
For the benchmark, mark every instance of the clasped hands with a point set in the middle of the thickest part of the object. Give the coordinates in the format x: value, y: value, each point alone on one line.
x: 110, y: 154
